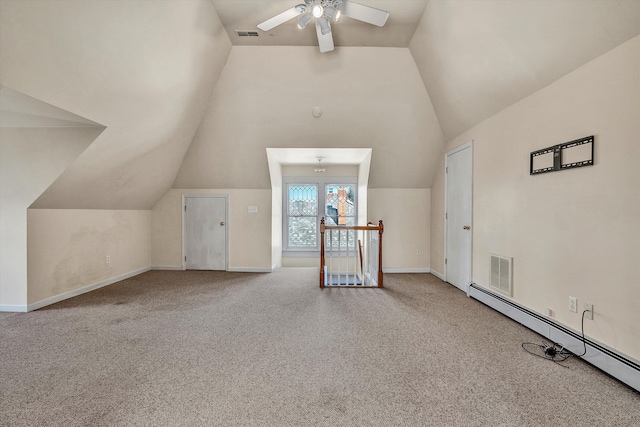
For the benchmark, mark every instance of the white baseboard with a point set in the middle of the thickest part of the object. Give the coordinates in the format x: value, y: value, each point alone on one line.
x: 438, y: 275
x: 249, y: 270
x: 85, y: 289
x: 12, y: 308
x: 609, y: 360
x: 166, y: 267
x: 406, y: 270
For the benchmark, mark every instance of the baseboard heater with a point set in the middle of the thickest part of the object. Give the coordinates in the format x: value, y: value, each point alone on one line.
x: 613, y: 363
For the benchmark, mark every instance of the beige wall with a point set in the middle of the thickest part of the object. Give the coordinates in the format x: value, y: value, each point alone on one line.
x: 574, y: 232
x: 437, y: 224
x: 405, y: 213
x: 30, y: 160
x: 67, y: 248
x: 370, y: 98
x: 406, y: 217
x: 144, y: 69
x: 249, y: 234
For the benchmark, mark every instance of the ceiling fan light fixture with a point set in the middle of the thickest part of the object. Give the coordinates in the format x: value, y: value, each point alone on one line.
x: 317, y: 11
x: 325, y: 28
x: 303, y: 21
x: 324, y: 12
x: 319, y: 169
x: 332, y: 12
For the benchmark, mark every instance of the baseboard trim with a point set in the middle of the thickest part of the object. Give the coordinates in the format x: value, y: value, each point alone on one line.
x: 12, y: 308
x: 249, y: 270
x: 85, y: 289
x: 406, y: 270
x: 614, y: 363
x: 166, y: 267
x: 438, y: 275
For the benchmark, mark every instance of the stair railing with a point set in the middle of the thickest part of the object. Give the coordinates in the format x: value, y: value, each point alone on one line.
x: 351, y: 256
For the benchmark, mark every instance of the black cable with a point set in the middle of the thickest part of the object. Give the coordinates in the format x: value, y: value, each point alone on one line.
x: 556, y: 351
x: 583, y: 340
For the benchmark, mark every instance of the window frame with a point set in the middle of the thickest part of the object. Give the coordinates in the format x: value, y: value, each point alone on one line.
x: 321, y: 185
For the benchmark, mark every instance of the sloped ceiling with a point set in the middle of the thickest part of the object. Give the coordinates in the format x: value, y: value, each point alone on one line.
x: 146, y: 70
x: 476, y: 57
x: 143, y: 69
x: 244, y: 15
x: 370, y: 98
x: 20, y: 111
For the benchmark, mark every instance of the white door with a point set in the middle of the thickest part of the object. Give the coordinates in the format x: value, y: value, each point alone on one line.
x: 459, y: 165
x: 205, y: 233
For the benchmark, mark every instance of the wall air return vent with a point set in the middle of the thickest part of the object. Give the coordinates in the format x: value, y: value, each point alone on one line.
x: 246, y: 33
x: 501, y: 274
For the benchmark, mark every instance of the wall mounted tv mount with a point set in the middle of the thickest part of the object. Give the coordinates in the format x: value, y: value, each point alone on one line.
x: 572, y: 154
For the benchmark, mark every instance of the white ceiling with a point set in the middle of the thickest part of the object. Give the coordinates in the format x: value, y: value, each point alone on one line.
x: 245, y: 15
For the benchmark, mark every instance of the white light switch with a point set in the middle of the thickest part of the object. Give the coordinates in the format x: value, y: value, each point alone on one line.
x: 252, y: 209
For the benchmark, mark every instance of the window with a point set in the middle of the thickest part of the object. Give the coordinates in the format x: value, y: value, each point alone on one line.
x: 307, y: 202
x: 302, y: 227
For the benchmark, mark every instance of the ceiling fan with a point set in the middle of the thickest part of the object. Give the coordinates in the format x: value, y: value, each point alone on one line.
x: 325, y: 12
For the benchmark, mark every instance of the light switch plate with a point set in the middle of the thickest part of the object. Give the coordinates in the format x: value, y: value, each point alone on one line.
x: 252, y: 209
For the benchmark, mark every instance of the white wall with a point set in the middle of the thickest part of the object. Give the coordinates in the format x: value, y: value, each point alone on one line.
x: 30, y: 160
x: 573, y: 232
x: 67, y: 249
x: 249, y: 234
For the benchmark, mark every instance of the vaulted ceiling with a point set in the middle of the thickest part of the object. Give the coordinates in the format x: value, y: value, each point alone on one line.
x: 476, y: 57
x: 151, y: 73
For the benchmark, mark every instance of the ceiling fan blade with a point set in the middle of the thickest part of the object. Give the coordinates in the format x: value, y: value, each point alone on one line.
x: 363, y: 13
x: 281, y: 18
x: 325, y: 41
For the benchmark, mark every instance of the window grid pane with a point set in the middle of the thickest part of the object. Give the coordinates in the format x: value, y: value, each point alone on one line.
x: 303, y: 232
x: 303, y: 200
x: 340, y: 203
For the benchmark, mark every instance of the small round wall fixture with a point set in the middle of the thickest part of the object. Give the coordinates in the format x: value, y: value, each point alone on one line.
x: 317, y: 112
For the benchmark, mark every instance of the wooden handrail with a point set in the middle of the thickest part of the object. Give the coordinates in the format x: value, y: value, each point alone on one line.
x: 369, y: 227
x: 347, y: 227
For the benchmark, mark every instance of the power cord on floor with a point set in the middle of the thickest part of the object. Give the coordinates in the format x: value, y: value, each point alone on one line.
x: 556, y: 351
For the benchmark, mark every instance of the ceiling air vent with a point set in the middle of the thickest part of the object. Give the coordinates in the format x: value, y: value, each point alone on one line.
x: 501, y: 274
x: 246, y: 33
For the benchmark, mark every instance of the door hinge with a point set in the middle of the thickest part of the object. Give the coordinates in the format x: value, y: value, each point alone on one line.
x: 185, y: 208
x: 445, y: 261
x: 185, y: 259
x: 446, y: 170
x: 446, y: 215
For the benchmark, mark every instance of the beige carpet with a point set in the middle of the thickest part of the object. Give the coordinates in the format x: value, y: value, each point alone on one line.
x: 215, y: 348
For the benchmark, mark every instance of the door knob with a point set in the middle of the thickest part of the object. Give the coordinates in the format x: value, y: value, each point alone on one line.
x: 221, y: 222
x: 466, y: 227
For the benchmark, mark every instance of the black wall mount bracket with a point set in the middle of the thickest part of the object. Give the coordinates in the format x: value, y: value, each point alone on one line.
x: 572, y: 154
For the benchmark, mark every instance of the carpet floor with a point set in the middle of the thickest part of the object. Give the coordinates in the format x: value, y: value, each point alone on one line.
x: 190, y: 348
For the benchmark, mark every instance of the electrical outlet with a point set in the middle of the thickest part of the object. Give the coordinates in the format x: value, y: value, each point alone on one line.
x: 418, y: 251
x: 589, y: 308
x: 108, y: 259
x: 573, y: 304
